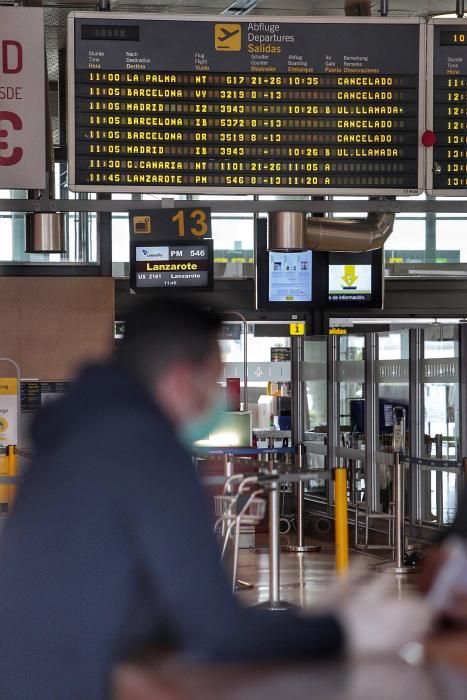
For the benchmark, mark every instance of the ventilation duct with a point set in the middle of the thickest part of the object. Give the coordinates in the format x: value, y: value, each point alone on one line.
x: 44, y: 233
x: 292, y: 230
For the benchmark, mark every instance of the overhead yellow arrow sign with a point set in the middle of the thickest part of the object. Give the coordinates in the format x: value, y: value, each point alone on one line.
x: 349, y: 277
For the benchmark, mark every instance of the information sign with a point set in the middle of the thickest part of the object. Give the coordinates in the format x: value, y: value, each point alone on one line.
x: 192, y: 223
x: 253, y: 105
x: 8, y: 411
x: 447, y: 107
x: 35, y: 394
x: 170, y: 264
x: 22, y: 98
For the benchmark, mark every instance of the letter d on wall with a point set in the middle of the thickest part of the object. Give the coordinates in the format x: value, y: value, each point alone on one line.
x: 12, y: 56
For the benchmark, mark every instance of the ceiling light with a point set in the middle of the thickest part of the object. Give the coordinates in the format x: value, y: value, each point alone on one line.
x: 240, y: 7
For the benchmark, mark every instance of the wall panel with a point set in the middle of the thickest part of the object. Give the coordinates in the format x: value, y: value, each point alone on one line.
x: 52, y: 325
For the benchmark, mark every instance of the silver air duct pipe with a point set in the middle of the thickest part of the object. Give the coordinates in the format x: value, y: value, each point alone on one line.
x: 289, y: 230
x: 45, y: 233
x: 292, y: 230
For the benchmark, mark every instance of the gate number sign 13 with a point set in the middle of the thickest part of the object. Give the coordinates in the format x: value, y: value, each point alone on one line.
x: 198, y: 218
x: 166, y: 223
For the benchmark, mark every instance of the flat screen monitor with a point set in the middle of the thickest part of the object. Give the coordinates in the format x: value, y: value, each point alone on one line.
x: 290, y: 276
x: 233, y: 430
x: 355, y: 280
x: 171, y: 265
x: 349, y: 282
x: 286, y: 281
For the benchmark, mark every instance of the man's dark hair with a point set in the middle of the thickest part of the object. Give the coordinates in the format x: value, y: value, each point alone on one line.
x: 159, y: 331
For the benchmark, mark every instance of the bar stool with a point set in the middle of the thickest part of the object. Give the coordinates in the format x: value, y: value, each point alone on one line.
x: 239, y: 507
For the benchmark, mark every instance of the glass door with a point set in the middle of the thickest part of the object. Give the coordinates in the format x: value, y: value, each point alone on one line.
x: 351, y: 395
x: 267, y: 366
x: 392, y: 393
x: 441, y: 421
x: 314, y: 376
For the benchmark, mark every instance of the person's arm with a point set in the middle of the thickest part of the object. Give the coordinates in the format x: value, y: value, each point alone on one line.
x: 172, y: 534
x: 435, y: 557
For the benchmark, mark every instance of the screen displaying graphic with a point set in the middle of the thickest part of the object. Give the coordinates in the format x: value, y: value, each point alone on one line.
x: 207, y: 104
x: 166, y: 265
x: 355, y: 280
x: 349, y: 282
x: 290, y: 276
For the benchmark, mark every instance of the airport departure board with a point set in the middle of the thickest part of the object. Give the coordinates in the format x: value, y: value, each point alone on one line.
x: 252, y: 105
x: 447, y: 107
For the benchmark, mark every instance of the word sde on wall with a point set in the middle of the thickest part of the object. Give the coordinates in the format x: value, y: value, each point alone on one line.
x: 200, y: 105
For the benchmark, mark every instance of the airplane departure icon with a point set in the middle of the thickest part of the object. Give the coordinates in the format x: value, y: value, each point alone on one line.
x: 226, y: 34
x: 228, y: 37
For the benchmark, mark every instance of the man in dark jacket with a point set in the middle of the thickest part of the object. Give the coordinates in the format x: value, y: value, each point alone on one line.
x: 109, y: 546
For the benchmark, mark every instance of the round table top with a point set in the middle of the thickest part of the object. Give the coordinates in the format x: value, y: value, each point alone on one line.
x: 442, y: 676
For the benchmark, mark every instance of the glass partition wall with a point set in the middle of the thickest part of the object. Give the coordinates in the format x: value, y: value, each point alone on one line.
x: 353, y: 384
x: 351, y: 396
x: 314, y: 376
x: 392, y: 395
x: 441, y: 423
x: 267, y: 365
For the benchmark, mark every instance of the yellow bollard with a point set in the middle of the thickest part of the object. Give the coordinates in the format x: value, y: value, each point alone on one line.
x: 12, y: 460
x: 3, y: 487
x: 342, y: 525
x: 3, y: 461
